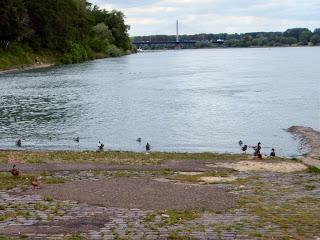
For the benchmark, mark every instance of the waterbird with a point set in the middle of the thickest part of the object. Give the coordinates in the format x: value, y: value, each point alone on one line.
x: 35, y: 182
x: 18, y: 143
x: 272, y: 154
x: 240, y: 143
x: 15, y: 171
x: 148, y: 147
x: 244, y: 148
x: 100, y: 145
x: 138, y: 140
x: 77, y: 139
x: 257, y: 149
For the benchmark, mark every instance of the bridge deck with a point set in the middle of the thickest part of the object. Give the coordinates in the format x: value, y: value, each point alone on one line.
x: 169, y: 42
x: 162, y: 42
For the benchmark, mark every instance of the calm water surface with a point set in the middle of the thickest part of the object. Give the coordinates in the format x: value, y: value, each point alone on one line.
x: 181, y: 101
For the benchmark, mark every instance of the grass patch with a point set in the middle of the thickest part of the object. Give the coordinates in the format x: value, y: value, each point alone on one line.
x: 8, y: 181
x: 174, y: 234
x: 312, y: 169
x: 310, y: 187
x: 49, y: 199
x: 75, y: 236
x: 197, y: 178
x: 178, y: 217
x: 114, y: 157
x: 54, y: 180
x: 299, y: 212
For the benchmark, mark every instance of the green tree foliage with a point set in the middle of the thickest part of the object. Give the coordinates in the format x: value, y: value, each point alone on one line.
x: 294, y: 32
x: 316, y: 31
x: 14, y: 21
x: 304, y: 37
x: 315, y: 39
x: 71, y: 28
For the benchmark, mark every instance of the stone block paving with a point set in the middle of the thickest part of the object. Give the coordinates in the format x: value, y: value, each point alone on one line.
x: 240, y: 223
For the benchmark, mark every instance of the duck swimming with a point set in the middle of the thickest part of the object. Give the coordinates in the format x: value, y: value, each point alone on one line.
x: 18, y: 143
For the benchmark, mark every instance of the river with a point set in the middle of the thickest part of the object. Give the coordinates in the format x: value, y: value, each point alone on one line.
x: 178, y: 101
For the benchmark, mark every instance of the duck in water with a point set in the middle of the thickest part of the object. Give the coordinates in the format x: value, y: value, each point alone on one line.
x: 18, y: 143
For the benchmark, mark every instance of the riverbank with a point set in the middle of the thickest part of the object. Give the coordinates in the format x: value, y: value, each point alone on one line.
x: 309, y: 138
x: 310, y: 144
x: 28, y: 67
x: 169, y: 200
x: 128, y: 195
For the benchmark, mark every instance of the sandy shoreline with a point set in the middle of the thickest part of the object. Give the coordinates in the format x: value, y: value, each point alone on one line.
x: 34, y: 66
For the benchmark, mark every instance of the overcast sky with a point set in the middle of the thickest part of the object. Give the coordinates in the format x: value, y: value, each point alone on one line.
x: 152, y: 17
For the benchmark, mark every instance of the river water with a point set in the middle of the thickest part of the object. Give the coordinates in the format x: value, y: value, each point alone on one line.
x: 178, y: 101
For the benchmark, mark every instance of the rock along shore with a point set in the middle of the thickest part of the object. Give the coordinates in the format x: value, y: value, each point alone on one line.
x: 310, y: 139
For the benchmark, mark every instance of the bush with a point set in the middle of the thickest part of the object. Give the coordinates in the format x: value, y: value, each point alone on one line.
x: 16, y: 55
x: 66, y: 59
x: 113, y: 51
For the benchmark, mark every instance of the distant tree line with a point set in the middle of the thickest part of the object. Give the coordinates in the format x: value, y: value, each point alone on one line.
x: 291, y: 37
x: 72, y: 29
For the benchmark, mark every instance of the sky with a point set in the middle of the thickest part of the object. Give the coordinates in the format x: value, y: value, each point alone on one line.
x: 156, y: 17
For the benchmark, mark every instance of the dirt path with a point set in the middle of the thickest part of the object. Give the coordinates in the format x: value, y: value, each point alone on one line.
x: 141, y: 193
x: 27, y: 67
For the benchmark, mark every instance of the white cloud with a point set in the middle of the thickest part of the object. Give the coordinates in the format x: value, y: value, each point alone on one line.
x: 215, y: 16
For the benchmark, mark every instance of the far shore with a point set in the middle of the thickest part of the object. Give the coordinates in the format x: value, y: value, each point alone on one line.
x: 28, y: 67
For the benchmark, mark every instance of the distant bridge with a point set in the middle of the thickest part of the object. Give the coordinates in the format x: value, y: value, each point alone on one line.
x: 177, y: 42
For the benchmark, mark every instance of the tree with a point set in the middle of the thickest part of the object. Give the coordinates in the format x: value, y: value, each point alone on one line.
x: 14, y: 21
x: 294, y: 32
x: 304, y: 37
x: 315, y: 39
x: 291, y: 40
x: 115, y: 21
x: 317, y: 31
x: 248, y: 38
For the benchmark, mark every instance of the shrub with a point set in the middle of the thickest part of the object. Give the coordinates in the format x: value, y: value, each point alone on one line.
x: 113, y: 51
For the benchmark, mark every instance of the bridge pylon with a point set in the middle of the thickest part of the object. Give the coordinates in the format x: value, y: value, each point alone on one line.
x: 177, y: 39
